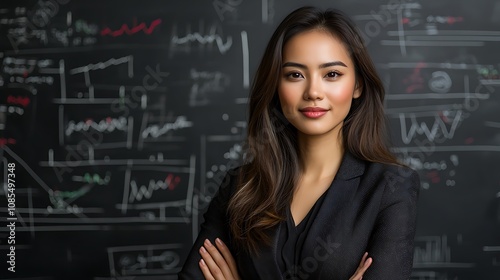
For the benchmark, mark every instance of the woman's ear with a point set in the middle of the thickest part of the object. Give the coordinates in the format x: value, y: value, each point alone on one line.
x: 358, y: 89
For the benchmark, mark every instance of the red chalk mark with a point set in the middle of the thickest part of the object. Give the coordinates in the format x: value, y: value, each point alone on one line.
x: 405, y: 20
x: 135, y: 29
x: 415, y: 80
x: 469, y: 140
x: 443, y: 117
x: 452, y: 20
x: 434, y: 177
x: 172, y: 181
x: 23, y: 101
x: 5, y: 141
x: 413, y: 88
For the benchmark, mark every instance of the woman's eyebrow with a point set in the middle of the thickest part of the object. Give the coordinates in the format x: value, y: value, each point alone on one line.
x: 333, y: 63
x: 324, y: 65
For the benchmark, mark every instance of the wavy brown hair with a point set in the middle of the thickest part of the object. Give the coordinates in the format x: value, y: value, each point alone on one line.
x: 267, y: 180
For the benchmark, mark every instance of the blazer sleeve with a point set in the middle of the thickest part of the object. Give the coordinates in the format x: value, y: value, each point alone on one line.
x: 215, y: 225
x: 392, y: 240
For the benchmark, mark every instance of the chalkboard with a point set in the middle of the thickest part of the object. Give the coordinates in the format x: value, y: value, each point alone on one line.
x: 119, y: 119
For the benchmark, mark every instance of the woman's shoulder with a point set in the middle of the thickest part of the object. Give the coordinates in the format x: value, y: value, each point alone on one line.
x: 234, y: 171
x: 394, y: 177
x: 391, y: 170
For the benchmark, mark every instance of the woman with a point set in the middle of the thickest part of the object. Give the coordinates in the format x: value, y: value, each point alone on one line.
x: 320, y: 187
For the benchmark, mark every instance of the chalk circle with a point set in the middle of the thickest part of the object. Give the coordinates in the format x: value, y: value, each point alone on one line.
x: 440, y: 82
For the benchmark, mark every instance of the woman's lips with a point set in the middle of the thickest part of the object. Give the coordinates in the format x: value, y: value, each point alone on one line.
x: 313, y: 112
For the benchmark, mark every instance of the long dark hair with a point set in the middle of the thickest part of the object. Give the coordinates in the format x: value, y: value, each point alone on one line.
x: 267, y: 181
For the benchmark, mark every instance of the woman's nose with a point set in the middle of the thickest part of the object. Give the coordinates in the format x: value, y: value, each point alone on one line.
x: 313, y: 90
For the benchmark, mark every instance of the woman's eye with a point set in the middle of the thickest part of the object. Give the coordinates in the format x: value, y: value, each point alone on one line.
x: 333, y: 75
x: 294, y: 75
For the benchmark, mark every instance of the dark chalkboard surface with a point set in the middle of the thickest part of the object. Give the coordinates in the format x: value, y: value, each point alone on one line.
x: 118, y: 120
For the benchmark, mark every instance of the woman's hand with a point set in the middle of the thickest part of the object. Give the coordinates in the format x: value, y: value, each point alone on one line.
x: 217, y: 266
x: 363, y: 266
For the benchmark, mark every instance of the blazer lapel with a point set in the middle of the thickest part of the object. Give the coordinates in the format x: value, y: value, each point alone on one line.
x: 323, y: 230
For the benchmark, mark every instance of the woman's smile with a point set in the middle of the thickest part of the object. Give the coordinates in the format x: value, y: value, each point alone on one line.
x: 313, y: 112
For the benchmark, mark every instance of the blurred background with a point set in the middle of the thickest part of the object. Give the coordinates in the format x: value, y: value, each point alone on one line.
x: 119, y: 120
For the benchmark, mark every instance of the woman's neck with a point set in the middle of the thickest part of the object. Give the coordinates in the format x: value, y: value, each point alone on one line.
x: 320, y: 155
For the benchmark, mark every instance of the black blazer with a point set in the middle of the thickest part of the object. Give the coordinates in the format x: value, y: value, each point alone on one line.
x: 368, y: 207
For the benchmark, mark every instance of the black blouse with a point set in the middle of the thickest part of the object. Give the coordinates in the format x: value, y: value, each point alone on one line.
x: 291, y: 239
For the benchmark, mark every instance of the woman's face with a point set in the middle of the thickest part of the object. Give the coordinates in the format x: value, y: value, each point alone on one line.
x: 317, y: 83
